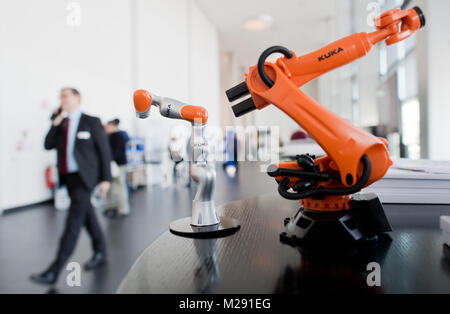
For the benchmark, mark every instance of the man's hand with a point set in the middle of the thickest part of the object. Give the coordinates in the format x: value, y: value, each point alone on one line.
x: 104, y: 188
x: 57, y: 121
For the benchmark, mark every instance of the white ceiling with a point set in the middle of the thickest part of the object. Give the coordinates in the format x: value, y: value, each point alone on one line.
x: 300, y: 25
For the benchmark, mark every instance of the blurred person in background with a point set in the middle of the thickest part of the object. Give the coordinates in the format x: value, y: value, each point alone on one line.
x: 84, y: 160
x: 119, y: 188
x: 231, y: 165
x: 116, y: 122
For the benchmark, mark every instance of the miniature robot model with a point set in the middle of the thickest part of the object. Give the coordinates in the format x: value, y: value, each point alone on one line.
x: 331, y: 212
x: 204, y: 222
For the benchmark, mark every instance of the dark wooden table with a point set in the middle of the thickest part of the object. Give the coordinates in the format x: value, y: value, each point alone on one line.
x: 413, y: 259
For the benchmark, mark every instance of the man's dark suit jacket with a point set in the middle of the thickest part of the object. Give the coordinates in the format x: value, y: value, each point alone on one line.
x: 92, y: 151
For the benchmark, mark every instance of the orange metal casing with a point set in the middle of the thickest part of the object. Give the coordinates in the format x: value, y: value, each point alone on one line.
x: 344, y: 143
x: 142, y: 100
x: 194, y: 114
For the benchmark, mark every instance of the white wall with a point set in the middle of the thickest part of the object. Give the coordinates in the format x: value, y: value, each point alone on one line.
x: 434, y: 83
x: 40, y: 53
x: 177, y: 53
x: 120, y: 45
x: 162, y: 60
x: 367, y: 69
x: 334, y: 88
x: 204, y: 81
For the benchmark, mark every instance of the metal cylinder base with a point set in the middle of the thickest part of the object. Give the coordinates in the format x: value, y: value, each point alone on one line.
x: 204, y: 214
x: 226, y: 226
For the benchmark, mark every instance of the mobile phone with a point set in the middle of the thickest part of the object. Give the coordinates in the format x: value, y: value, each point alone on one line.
x: 53, y: 117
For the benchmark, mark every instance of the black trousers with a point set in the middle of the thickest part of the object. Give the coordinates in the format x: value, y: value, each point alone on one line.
x: 81, y: 213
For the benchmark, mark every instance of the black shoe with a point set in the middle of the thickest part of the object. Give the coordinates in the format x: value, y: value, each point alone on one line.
x: 98, y: 260
x: 110, y: 213
x: 48, y: 277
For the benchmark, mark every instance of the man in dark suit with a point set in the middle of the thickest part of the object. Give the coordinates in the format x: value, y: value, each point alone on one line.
x: 84, y: 160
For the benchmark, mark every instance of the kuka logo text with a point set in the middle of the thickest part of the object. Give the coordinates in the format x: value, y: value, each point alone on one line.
x: 330, y: 54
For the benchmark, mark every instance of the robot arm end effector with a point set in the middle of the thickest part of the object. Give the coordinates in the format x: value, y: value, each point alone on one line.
x: 401, y: 24
x: 143, y: 101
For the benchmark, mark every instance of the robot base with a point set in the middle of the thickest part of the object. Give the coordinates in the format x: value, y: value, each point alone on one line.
x: 363, y: 223
x: 182, y: 227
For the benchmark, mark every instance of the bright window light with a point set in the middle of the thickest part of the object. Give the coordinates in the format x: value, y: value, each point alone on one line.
x: 411, y: 127
x: 259, y: 23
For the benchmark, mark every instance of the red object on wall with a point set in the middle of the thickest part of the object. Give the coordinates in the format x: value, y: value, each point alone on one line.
x: 49, y: 178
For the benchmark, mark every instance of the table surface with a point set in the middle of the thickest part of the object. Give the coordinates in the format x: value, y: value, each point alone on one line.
x: 412, y: 259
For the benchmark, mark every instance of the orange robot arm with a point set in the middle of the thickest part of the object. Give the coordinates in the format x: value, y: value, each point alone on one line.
x: 355, y: 158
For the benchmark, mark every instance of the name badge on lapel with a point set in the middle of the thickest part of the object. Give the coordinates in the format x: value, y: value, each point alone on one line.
x: 84, y: 135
